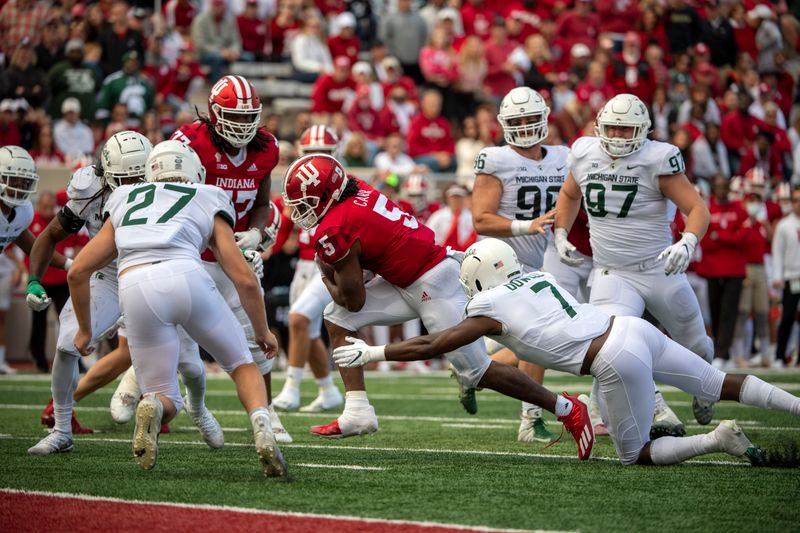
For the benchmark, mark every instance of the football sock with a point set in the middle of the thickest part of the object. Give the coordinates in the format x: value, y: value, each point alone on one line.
x: 258, y: 411
x: 194, y: 377
x: 673, y: 450
x: 355, y: 399
x: 563, y: 406
x: 294, y: 375
x: 762, y: 394
x: 64, y: 383
x: 325, y: 383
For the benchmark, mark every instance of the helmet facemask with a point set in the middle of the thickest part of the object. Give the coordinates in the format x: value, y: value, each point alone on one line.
x: 17, y: 188
x: 619, y: 146
x: 238, y: 127
x: 528, y: 133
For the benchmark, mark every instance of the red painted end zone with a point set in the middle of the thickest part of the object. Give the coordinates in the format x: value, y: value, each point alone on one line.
x: 38, y: 512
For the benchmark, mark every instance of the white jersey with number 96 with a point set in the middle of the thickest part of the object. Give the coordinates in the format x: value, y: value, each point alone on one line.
x: 159, y: 221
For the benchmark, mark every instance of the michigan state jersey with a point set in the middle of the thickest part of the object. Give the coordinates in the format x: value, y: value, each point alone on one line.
x: 542, y: 322
x: 160, y: 221
x: 629, y: 217
x: 14, y: 223
x: 530, y: 189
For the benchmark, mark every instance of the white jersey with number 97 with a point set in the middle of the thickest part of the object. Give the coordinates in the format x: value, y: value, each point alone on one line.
x: 629, y: 217
x: 530, y: 189
x: 160, y: 221
x: 542, y: 322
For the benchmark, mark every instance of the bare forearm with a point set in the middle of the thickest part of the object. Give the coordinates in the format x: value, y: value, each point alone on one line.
x: 43, y: 254
x: 259, y: 216
x: 567, y: 211
x: 419, y: 348
x: 492, y: 225
x: 253, y: 304
x: 697, y: 221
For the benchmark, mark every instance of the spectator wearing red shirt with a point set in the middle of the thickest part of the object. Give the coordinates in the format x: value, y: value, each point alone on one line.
x: 397, y: 112
x: 363, y: 118
x: 179, y: 13
x: 282, y: 29
x: 254, y: 33
x: 394, y: 78
x: 529, y: 14
x: 500, y: 78
x: 595, y: 91
x: 346, y: 43
x: 332, y: 92
x: 330, y: 8
x: 744, y: 30
x: 739, y: 129
x: 617, y: 16
x: 430, y: 141
x: 652, y: 30
x: 578, y: 25
x: 764, y: 155
x: 630, y: 73
x: 477, y: 18
x: 54, y: 280
x: 173, y: 84
x: 9, y: 129
x: 724, y: 261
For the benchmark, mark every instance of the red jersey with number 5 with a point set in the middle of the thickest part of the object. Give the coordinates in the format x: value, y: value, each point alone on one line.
x: 394, y: 244
x: 241, y: 181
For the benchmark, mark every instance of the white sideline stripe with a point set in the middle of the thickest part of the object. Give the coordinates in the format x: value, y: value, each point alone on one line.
x: 437, y: 451
x: 245, y: 510
x: 477, y: 426
x: 342, y: 467
x: 468, y: 422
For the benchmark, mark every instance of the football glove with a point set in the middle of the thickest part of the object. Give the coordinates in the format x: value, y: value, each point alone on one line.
x: 36, y: 296
x: 248, y: 240
x: 255, y: 262
x: 566, y: 250
x: 679, y: 254
x: 358, y: 353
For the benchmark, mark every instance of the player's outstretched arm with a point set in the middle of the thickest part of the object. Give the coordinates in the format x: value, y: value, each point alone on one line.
x: 471, y: 329
x: 99, y: 252
x: 247, y: 286
x: 43, y: 248
x: 568, y: 204
x: 347, y: 287
x: 26, y: 240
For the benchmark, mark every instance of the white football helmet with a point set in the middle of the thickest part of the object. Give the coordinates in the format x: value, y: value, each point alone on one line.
x: 318, y: 139
x: 487, y: 264
x: 174, y: 161
x: 18, y: 176
x: 623, y: 110
x: 523, y: 102
x: 124, y: 157
x: 273, y: 227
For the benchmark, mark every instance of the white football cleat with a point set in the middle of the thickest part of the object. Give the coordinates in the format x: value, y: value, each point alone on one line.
x: 281, y: 435
x: 145, y: 435
x: 125, y: 398
x: 327, y: 399
x: 55, y: 442
x: 703, y: 410
x: 532, y: 427
x: 731, y: 438
x: 5, y: 369
x: 207, y: 425
x: 287, y: 400
x: 267, y: 448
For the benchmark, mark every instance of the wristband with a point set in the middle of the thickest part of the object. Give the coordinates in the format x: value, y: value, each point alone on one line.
x: 520, y: 227
x: 379, y: 353
x: 67, y: 263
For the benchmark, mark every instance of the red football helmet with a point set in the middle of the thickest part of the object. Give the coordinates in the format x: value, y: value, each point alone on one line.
x: 235, y: 110
x: 318, y: 139
x: 311, y: 186
x: 415, y: 190
x: 273, y: 227
x: 755, y: 181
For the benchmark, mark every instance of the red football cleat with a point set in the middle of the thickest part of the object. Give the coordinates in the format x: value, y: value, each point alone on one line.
x: 579, y: 425
x: 331, y: 431
x: 48, y: 417
x: 164, y: 428
x: 77, y: 428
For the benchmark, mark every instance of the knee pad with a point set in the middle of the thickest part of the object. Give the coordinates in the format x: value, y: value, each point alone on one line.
x: 711, y: 383
x: 191, y: 369
x: 260, y: 359
x: 684, y: 299
x: 704, y: 348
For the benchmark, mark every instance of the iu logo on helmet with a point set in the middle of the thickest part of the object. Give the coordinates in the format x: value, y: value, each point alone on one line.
x: 218, y: 87
x: 308, y: 174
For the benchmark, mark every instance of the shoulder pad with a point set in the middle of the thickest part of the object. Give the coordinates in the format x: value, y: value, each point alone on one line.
x: 83, y: 179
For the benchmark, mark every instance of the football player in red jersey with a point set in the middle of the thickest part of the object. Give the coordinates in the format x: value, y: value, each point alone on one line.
x: 239, y: 156
x: 308, y: 297
x: 415, y: 191
x: 359, y: 228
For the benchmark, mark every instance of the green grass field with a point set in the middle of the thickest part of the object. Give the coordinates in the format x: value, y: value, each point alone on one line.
x: 430, y: 461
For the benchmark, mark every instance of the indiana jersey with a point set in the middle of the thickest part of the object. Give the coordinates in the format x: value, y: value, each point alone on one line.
x: 239, y: 176
x: 393, y: 243
x: 160, y: 221
x: 542, y: 322
x: 14, y: 223
x: 530, y: 189
x: 305, y: 244
x: 86, y: 199
x: 629, y: 217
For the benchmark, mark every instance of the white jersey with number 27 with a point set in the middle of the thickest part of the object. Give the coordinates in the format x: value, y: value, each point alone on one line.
x: 629, y: 217
x: 160, y: 221
x: 542, y: 322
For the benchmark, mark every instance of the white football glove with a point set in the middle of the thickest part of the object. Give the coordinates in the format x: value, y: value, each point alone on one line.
x: 566, y: 250
x: 248, y: 240
x: 679, y: 254
x: 255, y: 262
x: 38, y: 303
x: 358, y: 353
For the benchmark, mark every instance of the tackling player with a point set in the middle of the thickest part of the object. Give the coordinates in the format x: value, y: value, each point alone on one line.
x: 359, y: 229
x: 630, y: 186
x: 308, y: 297
x: 513, y: 198
x: 544, y: 324
x: 158, y: 231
